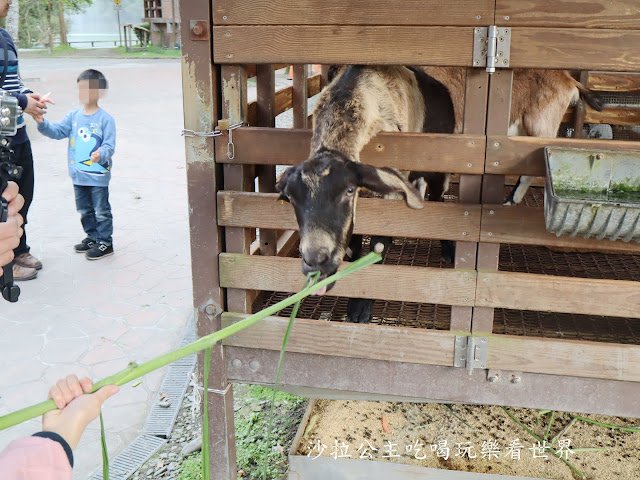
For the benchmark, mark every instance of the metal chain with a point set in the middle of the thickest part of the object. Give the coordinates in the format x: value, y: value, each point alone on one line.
x: 231, y: 150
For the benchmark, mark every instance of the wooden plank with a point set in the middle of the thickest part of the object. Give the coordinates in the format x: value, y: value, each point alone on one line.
x: 438, y: 220
x: 372, y: 342
x: 284, y: 99
x: 300, y: 94
x: 610, y: 115
x: 619, y: 14
x: 614, y: 82
x: 251, y: 69
x: 354, y: 12
x: 579, y: 49
x: 548, y: 293
x: 427, y: 152
x: 314, y: 376
x: 392, y: 45
x: 384, y: 282
x: 525, y: 155
x: 525, y: 226
x: 564, y: 357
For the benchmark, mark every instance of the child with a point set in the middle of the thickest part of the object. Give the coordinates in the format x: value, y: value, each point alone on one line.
x: 92, y: 140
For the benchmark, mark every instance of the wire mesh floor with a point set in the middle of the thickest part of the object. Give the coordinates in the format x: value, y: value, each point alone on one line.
x: 513, y: 258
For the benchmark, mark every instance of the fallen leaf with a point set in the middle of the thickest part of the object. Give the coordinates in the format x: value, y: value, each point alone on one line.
x: 385, y: 427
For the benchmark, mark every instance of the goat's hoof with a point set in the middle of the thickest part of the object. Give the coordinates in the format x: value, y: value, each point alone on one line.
x: 359, y: 310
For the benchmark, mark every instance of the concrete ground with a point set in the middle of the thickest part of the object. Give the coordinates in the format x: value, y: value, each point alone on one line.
x: 93, y: 318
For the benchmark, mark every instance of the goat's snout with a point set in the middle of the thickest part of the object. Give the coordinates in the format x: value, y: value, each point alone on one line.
x: 315, y: 259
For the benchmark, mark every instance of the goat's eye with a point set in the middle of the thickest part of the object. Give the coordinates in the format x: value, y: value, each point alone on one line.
x: 350, y: 191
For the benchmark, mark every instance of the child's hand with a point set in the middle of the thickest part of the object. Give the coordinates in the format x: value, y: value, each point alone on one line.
x: 42, y: 99
x: 95, y: 156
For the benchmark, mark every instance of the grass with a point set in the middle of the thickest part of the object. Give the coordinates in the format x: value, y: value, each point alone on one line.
x: 251, y: 422
x: 151, y: 52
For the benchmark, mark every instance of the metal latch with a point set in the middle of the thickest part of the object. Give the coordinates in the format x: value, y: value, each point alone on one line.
x: 491, y: 47
x: 470, y: 352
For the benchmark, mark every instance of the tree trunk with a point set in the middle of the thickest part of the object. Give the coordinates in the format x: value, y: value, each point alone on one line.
x: 49, y: 31
x: 11, y: 24
x: 63, y: 27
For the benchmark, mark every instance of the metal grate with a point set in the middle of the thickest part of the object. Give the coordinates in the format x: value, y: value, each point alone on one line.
x: 620, y: 99
x: 132, y: 457
x: 160, y: 420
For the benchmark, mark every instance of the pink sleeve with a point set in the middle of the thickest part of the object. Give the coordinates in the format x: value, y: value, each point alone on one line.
x: 34, y: 458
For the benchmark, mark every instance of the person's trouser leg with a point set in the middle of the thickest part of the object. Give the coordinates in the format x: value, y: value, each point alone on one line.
x: 104, y: 218
x: 23, y: 157
x: 84, y: 206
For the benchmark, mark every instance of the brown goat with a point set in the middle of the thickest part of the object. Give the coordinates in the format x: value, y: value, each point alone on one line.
x: 539, y: 100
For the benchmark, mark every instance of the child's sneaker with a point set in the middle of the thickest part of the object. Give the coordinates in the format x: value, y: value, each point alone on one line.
x: 85, y: 245
x: 98, y: 251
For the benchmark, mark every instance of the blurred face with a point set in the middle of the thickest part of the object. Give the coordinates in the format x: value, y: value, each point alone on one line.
x: 4, y: 7
x: 88, y: 91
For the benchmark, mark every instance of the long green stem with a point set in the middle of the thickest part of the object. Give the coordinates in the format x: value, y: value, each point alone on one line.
x: 206, y: 464
x: 135, y: 371
x: 105, y: 454
x: 546, y: 434
x: 614, y: 427
x: 541, y: 441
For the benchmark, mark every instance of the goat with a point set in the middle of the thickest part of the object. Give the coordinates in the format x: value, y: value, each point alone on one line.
x: 539, y: 100
x: 358, y: 103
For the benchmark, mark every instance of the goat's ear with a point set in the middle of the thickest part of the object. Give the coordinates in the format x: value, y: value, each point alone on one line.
x: 281, y: 184
x: 387, y: 180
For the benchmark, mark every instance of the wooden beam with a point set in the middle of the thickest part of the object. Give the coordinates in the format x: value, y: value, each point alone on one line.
x: 427, y: 152
x: 525, y: 155
x: 354, y: 12
x: 614, y: 82
x: 572, y: 48
x: 344, y: 44
x: 300, y: 94
x: 284, y: 99
x: 616, y: 14
x: 384, y: 282
x: 525, y: 226
x: 346, y: 340
x: 610, y: 115
x: 438, y: 220
x: 564, y: 357
x: 550, y: 293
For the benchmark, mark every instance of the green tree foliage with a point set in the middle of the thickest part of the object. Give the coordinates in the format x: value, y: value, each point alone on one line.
x: 38, y: 17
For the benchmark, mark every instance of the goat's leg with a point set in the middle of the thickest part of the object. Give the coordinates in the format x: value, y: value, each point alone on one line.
x: 519, y: 191
x: 359, y: 310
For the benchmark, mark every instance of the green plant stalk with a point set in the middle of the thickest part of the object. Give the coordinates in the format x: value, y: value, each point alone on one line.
x: 564, y: 430
x: 546, y: 434
x: 614, y: 427
x: 105, y: 453
x: 540, y: 440
x: 312, y: 278
x: 134, y: 371
x: 206, y: 466
x: 450, y: 410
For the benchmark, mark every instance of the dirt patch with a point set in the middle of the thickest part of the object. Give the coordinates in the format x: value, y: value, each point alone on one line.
x: 420, y: 435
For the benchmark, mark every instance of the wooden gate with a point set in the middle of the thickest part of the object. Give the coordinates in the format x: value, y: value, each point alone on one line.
x: 540, y: 326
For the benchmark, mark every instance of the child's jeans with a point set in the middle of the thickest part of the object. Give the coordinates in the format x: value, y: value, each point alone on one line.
x: 92, y: 203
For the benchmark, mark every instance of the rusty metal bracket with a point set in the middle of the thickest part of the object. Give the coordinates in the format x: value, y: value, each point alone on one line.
x: 210, y: 308
x: 470, y: 352
x: 199, y: 30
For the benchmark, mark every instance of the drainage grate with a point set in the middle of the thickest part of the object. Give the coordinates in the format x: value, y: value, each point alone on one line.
x: 131, y: 458
x: 160, y: 420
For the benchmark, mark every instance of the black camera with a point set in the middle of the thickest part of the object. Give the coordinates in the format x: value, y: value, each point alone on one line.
x: 9, y: 114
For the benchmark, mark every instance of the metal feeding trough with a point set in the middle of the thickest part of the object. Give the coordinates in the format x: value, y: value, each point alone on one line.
x: 593, y: 193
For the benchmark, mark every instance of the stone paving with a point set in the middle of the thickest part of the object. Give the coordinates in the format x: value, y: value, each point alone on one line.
x: 92, y: 318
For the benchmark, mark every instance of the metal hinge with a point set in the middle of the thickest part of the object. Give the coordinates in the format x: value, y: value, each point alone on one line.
x: 470, y: 352
x: 491, y: 47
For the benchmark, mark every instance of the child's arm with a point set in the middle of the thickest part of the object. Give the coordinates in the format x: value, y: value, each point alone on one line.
x: 57, y: 131
x: 105, y: 152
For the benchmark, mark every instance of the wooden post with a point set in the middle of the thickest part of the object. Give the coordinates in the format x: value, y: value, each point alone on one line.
x: 498, y: 111
x: 300, y: 94
x: 236, y: 177
x: 470, y: 185
x: 204, y: 178
x: 581, y: 111
x: 266, y: 85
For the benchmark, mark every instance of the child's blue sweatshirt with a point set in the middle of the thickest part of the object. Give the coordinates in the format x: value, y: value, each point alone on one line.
x: 86, y: 134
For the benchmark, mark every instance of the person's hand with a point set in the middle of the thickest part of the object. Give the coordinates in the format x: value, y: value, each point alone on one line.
x: 76, y: 409
x: 42, y: 99
x: 95, y: 156
x: 36, y: 106
x: 10, y: 231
